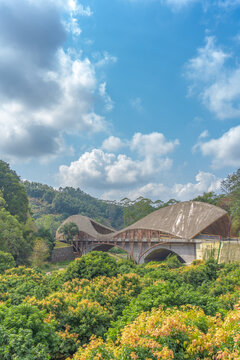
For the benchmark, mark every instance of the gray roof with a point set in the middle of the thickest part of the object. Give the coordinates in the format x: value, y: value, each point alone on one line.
x: 88, y: 226
x: 184, y: 220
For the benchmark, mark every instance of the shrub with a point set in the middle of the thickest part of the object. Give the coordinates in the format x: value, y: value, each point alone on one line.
x: 89, y: 266
x: 6, y: 261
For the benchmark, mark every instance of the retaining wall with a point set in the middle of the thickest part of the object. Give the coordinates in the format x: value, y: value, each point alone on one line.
x: 62, y: 254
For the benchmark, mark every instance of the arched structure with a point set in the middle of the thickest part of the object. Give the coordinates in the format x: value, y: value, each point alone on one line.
x: 160, y: 252
x: 180, y: 229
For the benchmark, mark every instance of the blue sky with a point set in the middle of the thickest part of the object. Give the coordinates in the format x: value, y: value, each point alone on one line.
x: 122, y: 97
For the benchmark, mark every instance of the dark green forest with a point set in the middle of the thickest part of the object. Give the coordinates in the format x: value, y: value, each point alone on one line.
x: 50, y: 207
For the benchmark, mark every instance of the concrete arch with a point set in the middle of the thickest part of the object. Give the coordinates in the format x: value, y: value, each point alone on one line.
x: 159, y: 252
x: 104, y: 247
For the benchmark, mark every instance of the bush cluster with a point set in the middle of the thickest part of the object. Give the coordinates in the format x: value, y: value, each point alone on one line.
x: 101, y: 308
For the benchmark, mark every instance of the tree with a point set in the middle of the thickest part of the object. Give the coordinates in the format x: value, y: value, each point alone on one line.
x: 89, y: 266
x: 13, y: 192
x: 69, y: 230
x: 6, y: 261
x: 231, y: 187
x: 12, y: 238
x: 47, y: 236
x: 25, y: 335
x: 136, y: 210
x: 40, y: 252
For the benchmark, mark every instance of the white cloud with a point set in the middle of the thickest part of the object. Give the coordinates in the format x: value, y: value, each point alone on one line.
x: 113, y: 143
x: 98, y: 169
x: 79, y: 9
x: 216, y: 83
x: 204, y: 134
x: 109, y: 104
x: 154, y: 144
x: 225, y: 151
x: 42, y: 86
x: 205, y: 182
x: 105, y: 59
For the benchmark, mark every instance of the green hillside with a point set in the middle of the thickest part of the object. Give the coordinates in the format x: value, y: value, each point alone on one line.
x: 50, y: 206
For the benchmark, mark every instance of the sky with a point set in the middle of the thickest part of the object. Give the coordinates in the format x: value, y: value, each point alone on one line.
x: 121, y: 98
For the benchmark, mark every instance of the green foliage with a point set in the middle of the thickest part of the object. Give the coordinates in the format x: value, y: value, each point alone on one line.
x: 47, y: 236
x: 18, y: 283
x: 40, y: 252
x: 13, y: 192
x: 12, y: 237
x: 50, y: 206
x: 209, y: 197
x: 231, y: 187
x: 6, y: 261
x: 24, y: 335
x: 50, y: 316
x: 96, y: 263
x: 141, y: 207
x: 69, y: 230
x: 173, y: 262
x: 49, y: 222
x: 136, y: 210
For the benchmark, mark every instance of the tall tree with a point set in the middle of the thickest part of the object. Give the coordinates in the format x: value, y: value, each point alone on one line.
x: 13, y: 192
x: 231, y: 187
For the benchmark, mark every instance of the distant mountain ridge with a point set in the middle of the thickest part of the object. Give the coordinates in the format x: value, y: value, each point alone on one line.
x: 47, y: 202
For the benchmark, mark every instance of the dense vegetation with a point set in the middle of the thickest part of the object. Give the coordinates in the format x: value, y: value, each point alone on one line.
x: 50, y: 207
x: 19, y: 235
x: 100, y: 308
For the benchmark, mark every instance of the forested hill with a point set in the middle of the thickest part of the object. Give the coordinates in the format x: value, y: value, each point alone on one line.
x: 50, y: 206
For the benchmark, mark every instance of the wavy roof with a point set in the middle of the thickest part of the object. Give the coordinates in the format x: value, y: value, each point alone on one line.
x: 88, y: 226
x: 185, y: 220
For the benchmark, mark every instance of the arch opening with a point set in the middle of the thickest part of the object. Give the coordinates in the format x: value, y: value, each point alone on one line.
x: 161, y: 255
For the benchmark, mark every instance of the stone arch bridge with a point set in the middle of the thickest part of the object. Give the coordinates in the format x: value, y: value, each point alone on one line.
x: 186, y: 229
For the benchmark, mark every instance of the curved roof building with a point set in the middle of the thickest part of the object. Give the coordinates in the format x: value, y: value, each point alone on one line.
x: 87, y: 226
x: 185, y: 220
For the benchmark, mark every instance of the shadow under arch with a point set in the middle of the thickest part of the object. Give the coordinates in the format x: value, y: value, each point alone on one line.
x: 105, y: 248
x: 159, y: 253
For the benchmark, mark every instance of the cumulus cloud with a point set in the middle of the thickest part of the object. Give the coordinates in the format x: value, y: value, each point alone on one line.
x: 152, y: 144
x: 215, y: 82
x: 225, y: 151
x: 205, y: 182
x: 98, y: 169
x: 113, y: 143
x: 44, y: 88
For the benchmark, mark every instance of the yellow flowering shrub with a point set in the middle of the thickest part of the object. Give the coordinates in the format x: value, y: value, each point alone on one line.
x: 171, y: 334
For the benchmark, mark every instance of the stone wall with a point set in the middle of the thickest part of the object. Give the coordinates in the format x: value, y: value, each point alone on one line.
x: 62, y: 254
